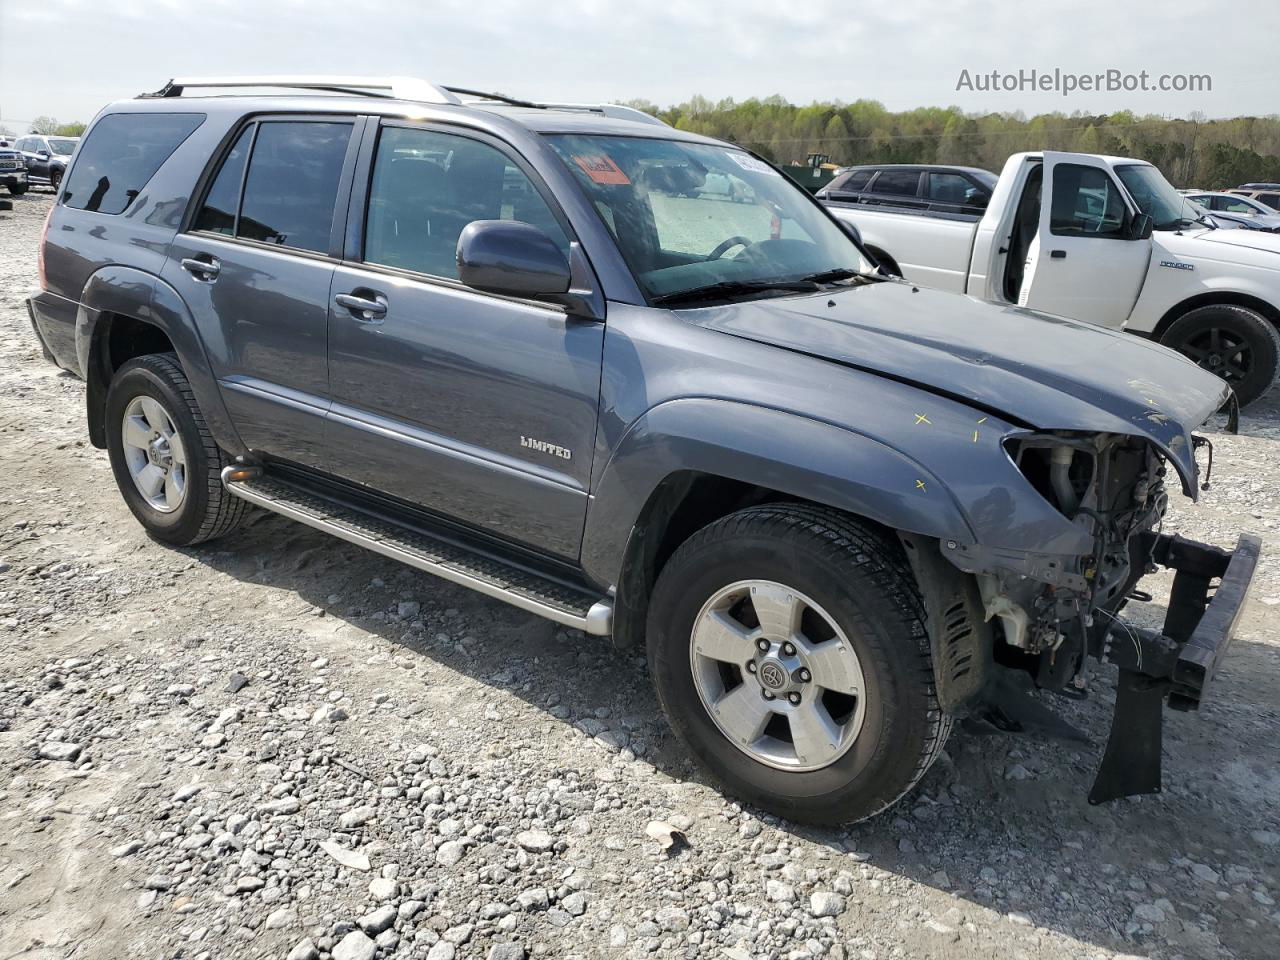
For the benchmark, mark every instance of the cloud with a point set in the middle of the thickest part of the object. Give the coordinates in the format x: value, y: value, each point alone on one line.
x: 69, y: 57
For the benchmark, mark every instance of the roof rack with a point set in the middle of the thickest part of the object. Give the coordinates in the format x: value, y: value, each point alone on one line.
x: 615, y: 110
x: 393, y: 88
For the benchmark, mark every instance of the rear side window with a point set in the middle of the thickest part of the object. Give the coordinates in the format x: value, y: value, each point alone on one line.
x: 223, y: 200
x: 853, y: 182
x: 897, y: 182
x: 121, y: 155
x: 292, y: 185
x: 1270, y: 199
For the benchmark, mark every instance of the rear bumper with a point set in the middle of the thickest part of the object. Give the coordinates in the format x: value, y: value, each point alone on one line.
x: 54, y: 320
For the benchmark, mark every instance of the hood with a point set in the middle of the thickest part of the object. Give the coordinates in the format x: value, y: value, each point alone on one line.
x: 1248, y: 239
x: 1047, y: 372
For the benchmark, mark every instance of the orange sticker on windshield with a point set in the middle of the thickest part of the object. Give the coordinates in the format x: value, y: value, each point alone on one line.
x: 602, y: 170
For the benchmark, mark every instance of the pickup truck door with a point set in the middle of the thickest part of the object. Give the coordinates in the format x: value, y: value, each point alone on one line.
x: 476, y: 407
x: 1082, y: 262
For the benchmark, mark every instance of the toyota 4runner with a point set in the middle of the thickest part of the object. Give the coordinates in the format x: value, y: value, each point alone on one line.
x: 525, y: 348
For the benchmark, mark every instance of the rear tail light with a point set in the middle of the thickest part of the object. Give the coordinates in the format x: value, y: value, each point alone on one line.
x: 44, y: 237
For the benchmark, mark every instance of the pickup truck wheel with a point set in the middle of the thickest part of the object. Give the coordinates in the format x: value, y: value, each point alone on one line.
x: 165, y: 461
x: 18, y: 189
x: 55, y: 178
x: 1236, y: 343
x: 789, y: 652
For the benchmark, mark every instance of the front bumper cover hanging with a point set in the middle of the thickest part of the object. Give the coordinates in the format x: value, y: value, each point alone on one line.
x: 1176, y: 663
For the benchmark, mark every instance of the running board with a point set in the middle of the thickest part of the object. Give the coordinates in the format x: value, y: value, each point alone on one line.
x: 485, y: 574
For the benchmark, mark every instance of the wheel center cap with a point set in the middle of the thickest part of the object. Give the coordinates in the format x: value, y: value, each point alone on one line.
x: 1214, y: 360
x: 159, y: 454
x: 772, y: 674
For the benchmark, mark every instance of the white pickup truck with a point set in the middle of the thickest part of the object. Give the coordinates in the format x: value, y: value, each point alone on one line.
x: 1102, y: 239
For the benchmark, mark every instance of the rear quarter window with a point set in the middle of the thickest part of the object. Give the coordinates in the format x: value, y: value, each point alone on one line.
x: 120, y: 156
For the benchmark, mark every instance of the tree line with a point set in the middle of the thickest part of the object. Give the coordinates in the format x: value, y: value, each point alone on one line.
x: 1193, y: 152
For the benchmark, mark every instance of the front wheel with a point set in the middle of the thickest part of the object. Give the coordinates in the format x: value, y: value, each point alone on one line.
x: 17, y: 189
x: 165, y: 460
x: 55, y: 178
x: 789, y: 652
x: 1238, y: 344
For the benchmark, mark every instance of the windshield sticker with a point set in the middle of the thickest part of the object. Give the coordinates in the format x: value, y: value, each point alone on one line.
x: 602, y: 170
x: 748, y: 162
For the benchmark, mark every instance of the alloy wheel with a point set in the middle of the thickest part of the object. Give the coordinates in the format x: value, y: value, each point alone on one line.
x: 777, y: 675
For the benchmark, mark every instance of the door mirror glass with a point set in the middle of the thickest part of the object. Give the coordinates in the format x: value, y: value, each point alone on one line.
x: 512, y: 258
x: 43, y: 154
x: 1141, y: 226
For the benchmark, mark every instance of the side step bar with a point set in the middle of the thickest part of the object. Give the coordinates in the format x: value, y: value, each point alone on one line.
x: 485, y: 574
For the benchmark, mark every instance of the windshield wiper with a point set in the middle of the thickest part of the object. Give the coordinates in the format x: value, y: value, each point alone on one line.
x: 727, y: 289
x: 833, y: 276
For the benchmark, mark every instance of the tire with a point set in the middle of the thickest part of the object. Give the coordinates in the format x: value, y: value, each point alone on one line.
x: 18, y: 189
x: 859, y: 581
x: 55, y: 178
x: 1236, y: 343
x: 204, y: 509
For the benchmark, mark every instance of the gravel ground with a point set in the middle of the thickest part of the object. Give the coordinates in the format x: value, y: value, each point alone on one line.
x: 281, y: 746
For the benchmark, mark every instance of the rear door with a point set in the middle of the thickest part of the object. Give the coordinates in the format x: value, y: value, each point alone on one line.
x: 1082, y: 263
x: 479, y: 407
x: 254, y: 265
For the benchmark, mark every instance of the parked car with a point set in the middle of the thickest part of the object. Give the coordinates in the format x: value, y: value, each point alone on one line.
x: 913, y: 186
x: 1112, y: 243
x: 1265, y: 193
x: 1235, y: 207
x: 47, y: 157
x: 834, y: 508
x: 13, y: 171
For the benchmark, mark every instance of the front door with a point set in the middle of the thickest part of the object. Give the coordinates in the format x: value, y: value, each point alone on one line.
x: 478, y: 407
x: 255, y: 269
x: 1082, y: 262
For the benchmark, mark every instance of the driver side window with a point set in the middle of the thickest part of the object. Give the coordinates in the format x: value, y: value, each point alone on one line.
x: 1086, y: 203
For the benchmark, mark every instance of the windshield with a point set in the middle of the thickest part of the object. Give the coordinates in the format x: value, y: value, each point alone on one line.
x: 689, y: 215
x: 64, y: 148
x: 1156, y: 197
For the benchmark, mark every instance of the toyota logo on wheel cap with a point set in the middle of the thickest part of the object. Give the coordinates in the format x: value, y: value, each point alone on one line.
x: 772, y: 675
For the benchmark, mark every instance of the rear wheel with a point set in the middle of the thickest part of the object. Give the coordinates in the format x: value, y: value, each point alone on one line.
x: 165, y: 461
x: 1238, y: 344
x: 789, y: 653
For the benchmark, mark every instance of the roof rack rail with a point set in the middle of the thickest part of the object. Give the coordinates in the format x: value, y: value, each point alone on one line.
x: 394, y: 88
x: 615, y: 110
x: 498, y: 97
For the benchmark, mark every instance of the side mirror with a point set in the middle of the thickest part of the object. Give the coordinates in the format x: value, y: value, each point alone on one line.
x: 512, y: 258
x: 852, y: 231
x: 1141, y: 226
x: 43, y: 154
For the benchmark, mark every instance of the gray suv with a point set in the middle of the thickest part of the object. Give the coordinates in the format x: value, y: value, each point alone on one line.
x: 524, y: 347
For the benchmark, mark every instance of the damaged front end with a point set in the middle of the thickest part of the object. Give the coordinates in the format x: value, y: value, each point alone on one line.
x: 1046, y: 614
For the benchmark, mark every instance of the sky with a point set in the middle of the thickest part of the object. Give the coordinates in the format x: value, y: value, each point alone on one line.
x: 68, y: 58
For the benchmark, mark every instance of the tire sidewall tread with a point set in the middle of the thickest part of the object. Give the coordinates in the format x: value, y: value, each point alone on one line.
x: 208, y: 510
x: 864, y: 575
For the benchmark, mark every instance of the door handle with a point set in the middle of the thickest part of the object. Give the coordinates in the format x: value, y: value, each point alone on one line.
x: 206, y: 270
x: 364, y: 309
x: 1058, y: 254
